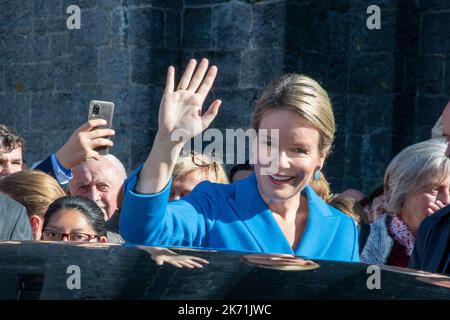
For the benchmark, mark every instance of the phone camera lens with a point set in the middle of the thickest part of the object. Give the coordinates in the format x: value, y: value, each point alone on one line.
x: 96, y: 110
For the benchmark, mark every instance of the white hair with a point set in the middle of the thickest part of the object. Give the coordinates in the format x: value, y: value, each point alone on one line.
x: 119, y: 168
x: 415, y: 167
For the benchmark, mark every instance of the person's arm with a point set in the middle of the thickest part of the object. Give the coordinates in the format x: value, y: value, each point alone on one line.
x: 150, y: 219
x: 180, y: 119
x: 80, y: 147
x: 53, y: 167
x: 145, y: 215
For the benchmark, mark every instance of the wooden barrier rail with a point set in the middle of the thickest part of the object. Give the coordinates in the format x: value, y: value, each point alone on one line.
x: 33, y: 270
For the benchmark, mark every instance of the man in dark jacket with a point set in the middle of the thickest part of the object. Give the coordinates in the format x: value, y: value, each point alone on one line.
x: 431, y: 250
x: 14, y: 224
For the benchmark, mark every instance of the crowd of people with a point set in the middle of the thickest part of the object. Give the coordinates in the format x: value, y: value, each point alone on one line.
x: 178, y: 199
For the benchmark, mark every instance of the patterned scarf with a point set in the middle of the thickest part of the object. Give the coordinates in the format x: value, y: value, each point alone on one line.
x: 402, y: 234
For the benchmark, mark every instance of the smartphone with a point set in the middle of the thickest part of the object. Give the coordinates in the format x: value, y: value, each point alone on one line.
x: 101, y: 110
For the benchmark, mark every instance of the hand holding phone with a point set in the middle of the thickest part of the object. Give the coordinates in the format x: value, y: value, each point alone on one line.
x: 88, y: 138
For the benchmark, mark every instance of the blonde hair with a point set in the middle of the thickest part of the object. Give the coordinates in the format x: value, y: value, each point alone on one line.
x: 415, y: 167
x: 35, y: 190
x: 305, y: 97
x: 214, y: 171
x: 350, y: 207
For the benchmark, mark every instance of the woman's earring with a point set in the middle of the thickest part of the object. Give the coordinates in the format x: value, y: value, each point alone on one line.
x: 317, y: 175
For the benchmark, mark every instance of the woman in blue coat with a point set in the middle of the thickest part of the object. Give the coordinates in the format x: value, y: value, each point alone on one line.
x: 275, y: 210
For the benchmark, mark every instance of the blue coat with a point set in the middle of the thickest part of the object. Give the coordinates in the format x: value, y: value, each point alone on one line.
x: 233, y: 217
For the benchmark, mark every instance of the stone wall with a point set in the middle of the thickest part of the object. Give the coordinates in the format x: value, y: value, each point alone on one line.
x: 387, y: 86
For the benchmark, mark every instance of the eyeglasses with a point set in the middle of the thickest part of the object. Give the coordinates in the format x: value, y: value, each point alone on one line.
x: 201, y: 160
x: 52, y: 235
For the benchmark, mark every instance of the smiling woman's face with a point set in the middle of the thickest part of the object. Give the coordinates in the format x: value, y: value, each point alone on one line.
x: 298, y: 155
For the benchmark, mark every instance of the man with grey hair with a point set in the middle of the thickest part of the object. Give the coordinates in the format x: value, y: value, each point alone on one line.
x: 101, y: 181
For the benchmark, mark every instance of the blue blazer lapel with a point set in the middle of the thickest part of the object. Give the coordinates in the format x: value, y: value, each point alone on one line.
x: 257, y: 217
x: 320, y: 229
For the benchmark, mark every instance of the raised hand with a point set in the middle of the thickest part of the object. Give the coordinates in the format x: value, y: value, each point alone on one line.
x: 180, y: 112
x: 82, y: 143
x: 435, y: 206
x: 180, y: 119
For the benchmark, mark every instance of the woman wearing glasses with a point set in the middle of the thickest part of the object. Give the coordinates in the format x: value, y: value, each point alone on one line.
x: 277, y: 212
x: 190, y: 170
x: 76, y: 219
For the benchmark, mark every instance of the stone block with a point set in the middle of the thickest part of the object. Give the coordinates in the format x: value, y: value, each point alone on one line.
x: 197, y: 28
x: 375, y: 155
x: 149, y: 66
x: 330, y: 70
x: 341, y: 110
x: 435, y: 5
x: 15, y: 48
x: 404, y: 115
x: 83, y: 4
x: 312, y: 35
x: 430, y: 74
x: 236, y: 110
x: 119, y: 27
x: 162, y: 4
x: 334, y: 165
x: 268, y: 25
x: 95, y: 29
x: 44, y: 26
x: 372, y: 73
x: 109, y: 4
x: 434, y: 35
x: 446, y: 88
x: 41, y: 48
x: 141, y: 143
x: 231, y: 26
x: 146, y: 27
x: 172, y: 30
x: 140, y: 104
x: 58, y: 45
x: 81, y: 67
x: 56, y: 106
x: 33, y: 78
x: 338, y: 39
x: 228, y: 63
x: 205, y: 3
x: 15, y: 111
x: 429, y: 109
x: 16, y: 16
x: 260, y: 66
x: 46, y: 8
x: 113, y: 66
x: 377, y: 40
